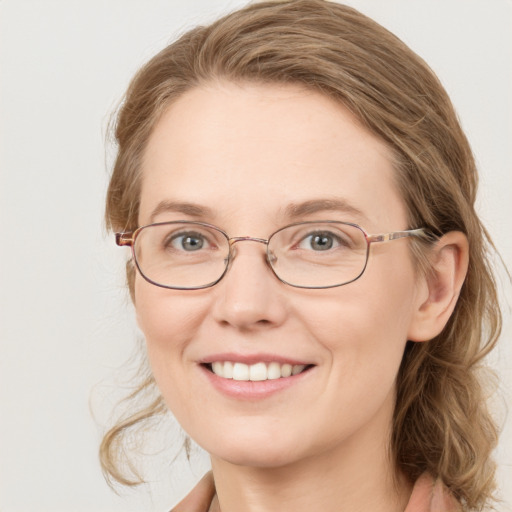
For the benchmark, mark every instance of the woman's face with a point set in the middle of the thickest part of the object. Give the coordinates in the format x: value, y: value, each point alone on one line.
x: 248, y: 157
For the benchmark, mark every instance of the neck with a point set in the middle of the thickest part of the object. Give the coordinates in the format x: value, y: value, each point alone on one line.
x: 356, y: 476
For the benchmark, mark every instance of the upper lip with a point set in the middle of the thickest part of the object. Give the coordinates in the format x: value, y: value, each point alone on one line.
x: 252, y: 359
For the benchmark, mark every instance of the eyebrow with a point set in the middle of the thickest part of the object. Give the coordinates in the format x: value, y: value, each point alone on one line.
x: 293, y: 211
x: 296, y: 210
x: 189, y: 209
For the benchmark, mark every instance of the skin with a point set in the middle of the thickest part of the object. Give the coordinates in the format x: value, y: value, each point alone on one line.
x: 246, y: 152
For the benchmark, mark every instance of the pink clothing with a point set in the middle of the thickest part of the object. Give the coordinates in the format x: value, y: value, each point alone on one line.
x: 431, y: 496
x: 427, y: 495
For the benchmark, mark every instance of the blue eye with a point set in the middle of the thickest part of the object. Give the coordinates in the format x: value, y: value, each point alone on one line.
x: 188, y: 242
x: 320, y: 241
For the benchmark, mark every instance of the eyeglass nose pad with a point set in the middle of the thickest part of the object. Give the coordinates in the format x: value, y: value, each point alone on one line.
x: 228, y: 260
x: 271, y: 258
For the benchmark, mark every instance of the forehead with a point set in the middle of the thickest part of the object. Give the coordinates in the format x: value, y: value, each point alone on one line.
x: 246, y: 150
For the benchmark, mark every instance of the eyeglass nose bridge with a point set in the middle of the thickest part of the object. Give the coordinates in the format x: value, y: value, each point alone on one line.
x: 270, y: 258
x: 235, y: 239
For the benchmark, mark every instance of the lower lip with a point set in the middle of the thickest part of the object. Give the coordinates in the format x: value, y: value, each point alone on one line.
x: 253, y: 390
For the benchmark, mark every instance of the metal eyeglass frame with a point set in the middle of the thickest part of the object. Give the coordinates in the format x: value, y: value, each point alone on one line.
x: 128, y: 238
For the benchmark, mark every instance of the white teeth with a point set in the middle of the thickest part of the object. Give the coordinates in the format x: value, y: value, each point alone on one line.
x: 228, y: 370
x: 255, y: 372
x: 297, y: 368
x: 274, y: 371
x: 218, y: 368
x: 286, y: 370
x: 240, y: 371
x: 258, y: 371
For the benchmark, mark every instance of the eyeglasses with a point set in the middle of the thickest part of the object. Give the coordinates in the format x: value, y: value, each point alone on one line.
x: 185, y: 255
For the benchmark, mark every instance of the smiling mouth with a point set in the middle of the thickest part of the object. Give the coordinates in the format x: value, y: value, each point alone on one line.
x: 255, y: 372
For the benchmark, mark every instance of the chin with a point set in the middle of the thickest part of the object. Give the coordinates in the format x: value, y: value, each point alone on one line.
x: 263, y: 457
x: 259, y: 451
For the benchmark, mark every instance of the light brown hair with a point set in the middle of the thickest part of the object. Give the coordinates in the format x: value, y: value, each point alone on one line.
x: 441, y: 422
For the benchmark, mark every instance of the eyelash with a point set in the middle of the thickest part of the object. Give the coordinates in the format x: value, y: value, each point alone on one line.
x: 173, y: 237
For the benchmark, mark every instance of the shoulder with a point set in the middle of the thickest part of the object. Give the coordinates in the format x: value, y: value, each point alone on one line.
x: 429, y: 495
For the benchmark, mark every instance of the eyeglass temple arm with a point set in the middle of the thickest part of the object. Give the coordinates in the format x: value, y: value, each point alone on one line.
x: 123, y: 239
x: 387, y: 237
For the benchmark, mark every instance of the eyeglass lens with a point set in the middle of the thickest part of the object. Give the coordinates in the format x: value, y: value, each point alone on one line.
x: 192, y: 255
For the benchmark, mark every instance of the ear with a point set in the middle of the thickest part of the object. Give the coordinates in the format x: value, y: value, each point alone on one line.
x: 440, y: 289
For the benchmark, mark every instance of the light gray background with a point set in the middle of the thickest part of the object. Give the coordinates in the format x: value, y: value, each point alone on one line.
x: 66, y: 323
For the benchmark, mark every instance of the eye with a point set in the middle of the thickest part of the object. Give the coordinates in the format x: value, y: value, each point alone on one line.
x: 188, y: 242
x: 320, y: 241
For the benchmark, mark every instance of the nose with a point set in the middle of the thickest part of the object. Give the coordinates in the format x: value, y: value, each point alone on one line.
x: 250, y: 297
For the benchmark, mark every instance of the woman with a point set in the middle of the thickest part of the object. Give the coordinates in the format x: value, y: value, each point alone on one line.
x: 308, y: 269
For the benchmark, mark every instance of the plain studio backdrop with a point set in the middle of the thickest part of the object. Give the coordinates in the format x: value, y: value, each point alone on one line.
x: 66, y: 321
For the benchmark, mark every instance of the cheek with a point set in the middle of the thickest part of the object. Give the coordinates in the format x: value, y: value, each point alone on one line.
x: 364, y: 325
x: 169, y: 320
x: 365, y: 347
x: 362, y: 316
x: 163, y: 315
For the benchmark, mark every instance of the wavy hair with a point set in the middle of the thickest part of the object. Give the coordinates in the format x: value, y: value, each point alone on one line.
x: 441, y: 421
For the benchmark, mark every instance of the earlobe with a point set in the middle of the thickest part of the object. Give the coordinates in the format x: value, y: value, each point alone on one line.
x: 449, y: 261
